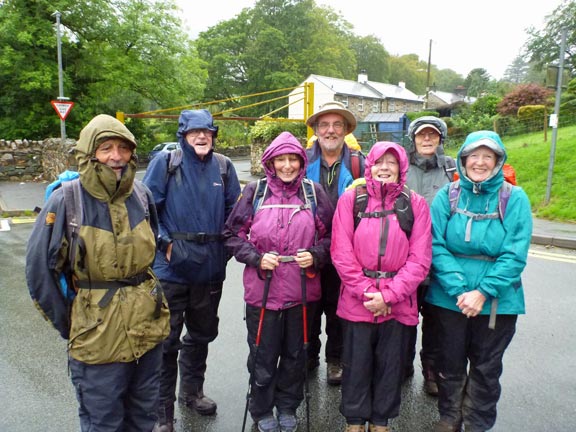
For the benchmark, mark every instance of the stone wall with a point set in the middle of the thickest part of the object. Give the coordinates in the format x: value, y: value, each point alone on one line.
x: 28, y: 160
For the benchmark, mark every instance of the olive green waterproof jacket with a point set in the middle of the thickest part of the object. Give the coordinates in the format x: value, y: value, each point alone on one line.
x: 110, y: 319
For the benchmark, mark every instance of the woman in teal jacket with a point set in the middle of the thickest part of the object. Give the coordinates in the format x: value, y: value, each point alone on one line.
x: 481, y: 235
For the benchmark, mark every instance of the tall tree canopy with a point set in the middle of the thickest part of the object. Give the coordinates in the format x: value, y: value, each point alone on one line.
x: 117, y: 56
x: 274, y: 45
x: 543, y: 46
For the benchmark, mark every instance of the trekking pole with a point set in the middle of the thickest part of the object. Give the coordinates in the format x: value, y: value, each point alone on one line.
x: 305, y: 334
x: 257, y: 343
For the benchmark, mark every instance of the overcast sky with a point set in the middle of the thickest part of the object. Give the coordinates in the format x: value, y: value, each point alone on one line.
x: 465, y: 34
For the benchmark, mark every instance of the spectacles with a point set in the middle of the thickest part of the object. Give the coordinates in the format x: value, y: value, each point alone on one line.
x: 196, y: 132
x: 337, y: 126
x: 428, y: 134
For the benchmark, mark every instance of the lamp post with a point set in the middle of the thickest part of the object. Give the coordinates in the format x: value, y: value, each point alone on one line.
x: 428, y: 76
x: 554, y: 117
x: 60, y: 77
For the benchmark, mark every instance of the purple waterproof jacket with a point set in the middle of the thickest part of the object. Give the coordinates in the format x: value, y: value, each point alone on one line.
x: 381, y: 239
x: 281, y: 229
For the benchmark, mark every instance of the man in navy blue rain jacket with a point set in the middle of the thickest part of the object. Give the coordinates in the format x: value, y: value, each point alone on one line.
x: 193, y: 201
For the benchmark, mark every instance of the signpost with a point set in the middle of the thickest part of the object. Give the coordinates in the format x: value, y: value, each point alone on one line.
x: 63, y: 108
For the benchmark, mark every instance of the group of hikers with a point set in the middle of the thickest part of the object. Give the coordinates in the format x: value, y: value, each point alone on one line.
x: 364, y: 243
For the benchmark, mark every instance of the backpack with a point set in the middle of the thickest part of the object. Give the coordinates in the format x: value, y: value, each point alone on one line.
x: 355, y: 164
x: 307, y: 188
x: 69, y: 181
x: 503, y: 198
x: 450, y: 168
x: 175, y: 159
x: 508, y: 171
x: 402, y: 209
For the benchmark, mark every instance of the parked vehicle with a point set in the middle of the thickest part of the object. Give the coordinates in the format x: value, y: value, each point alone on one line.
x: 162, y: 146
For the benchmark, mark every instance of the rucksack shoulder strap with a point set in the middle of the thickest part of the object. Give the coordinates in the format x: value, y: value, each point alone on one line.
x: 259, y: 194
x: 72, y: 191
x: 140, y: 191
x: 404, y: 212
x: 450, y: 167
x: 454, y: 195
x: 174, y: 160
x: 355, y: 164
x: 360, y: 203
x: 310, y: 194
x: 223, y: 165
x: 503, y: 198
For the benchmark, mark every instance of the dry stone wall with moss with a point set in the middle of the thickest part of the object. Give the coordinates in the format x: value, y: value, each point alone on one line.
x: 29, y: 160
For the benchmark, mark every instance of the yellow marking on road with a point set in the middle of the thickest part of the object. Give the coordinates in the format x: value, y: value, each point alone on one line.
x: 552, y: 256
x: 23, y: 220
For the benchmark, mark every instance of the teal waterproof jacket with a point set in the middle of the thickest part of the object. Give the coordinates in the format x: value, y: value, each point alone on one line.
x: 494, y: 256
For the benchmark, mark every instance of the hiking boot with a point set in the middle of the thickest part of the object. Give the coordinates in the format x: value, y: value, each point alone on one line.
x: 378, y: 428
x: 268, y: 424
x: 334, y: 373
x: 430, y: 385
x: 444, y: 426
x: 355, y: 428
x: 287, y: 422
x: 164, y: 427
x: 198, y: 401
x: 165, y: 422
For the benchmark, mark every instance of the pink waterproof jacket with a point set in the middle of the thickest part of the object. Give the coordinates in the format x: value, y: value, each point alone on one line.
x: 284, y: 225
x: 381, y: 239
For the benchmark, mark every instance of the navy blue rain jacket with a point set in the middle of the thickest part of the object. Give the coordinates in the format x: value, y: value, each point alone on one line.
x: 193, y: 201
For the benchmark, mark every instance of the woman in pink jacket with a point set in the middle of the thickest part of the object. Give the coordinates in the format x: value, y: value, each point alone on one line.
x: 381, y: 258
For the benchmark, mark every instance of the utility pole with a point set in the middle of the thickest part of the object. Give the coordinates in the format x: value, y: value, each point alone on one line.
x: 554, y: 117
x: 428, y: 76
x: 60, y: 77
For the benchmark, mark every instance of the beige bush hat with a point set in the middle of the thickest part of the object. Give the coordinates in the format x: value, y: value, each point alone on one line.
x: 334, y: 108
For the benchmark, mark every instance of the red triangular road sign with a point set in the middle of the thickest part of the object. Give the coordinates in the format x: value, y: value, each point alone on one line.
x: 62, y: 108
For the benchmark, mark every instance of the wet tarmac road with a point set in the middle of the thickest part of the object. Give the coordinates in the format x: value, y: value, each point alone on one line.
x: 538, y: 384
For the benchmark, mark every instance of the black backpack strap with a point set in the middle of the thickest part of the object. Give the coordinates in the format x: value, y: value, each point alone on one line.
x: 404, y: 212
x: 402, y: 209
x: 223, y: 165
x: 449, y: 167
x: 360, y: 203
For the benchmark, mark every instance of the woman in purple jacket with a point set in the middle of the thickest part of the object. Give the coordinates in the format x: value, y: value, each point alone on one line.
x: 380, y: 266
x: 286, y: 231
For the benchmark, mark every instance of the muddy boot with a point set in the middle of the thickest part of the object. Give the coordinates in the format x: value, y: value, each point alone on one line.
x: 165, y: 422
x: 334, y: 373
x: 196, y: 400
x: 430, y: 385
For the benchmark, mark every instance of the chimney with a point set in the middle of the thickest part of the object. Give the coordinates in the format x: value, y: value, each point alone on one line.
x: 402, y: 84
x: 362, y: 77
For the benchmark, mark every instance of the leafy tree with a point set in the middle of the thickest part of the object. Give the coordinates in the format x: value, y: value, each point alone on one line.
x: 372, y: 57
x: 447, y: 80
x: 411, y: 70
x: 477, y: 82
x: 517, y: 71
x: 485, y: 105
x: 122, y: 56
x: 242, y: 55
x: 524, y: 94
x: 543, y: 46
